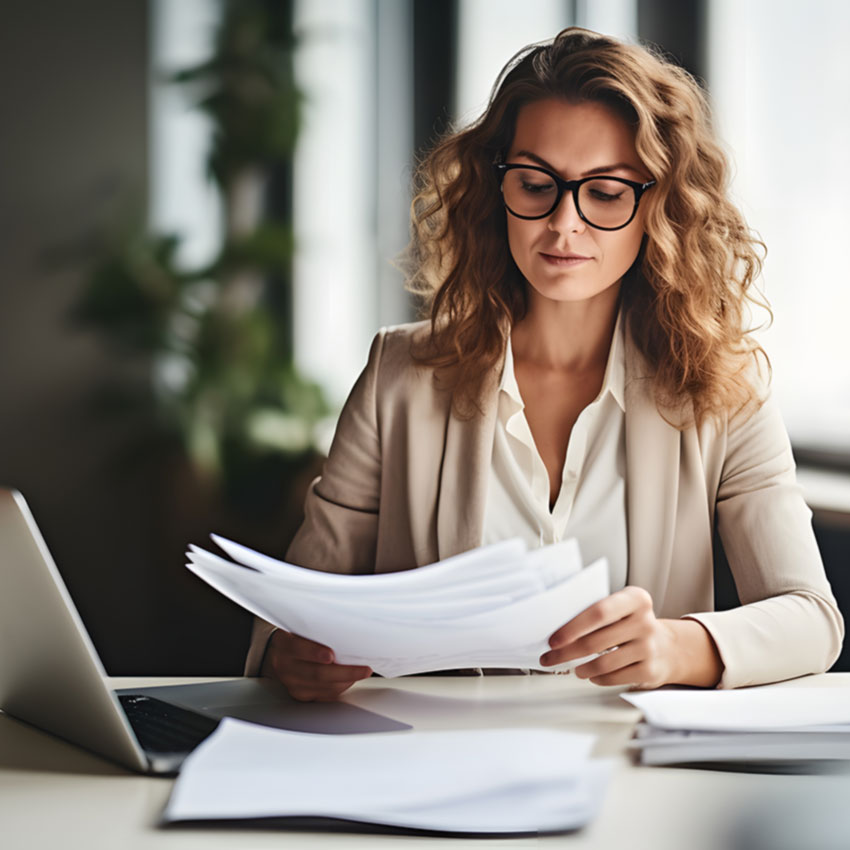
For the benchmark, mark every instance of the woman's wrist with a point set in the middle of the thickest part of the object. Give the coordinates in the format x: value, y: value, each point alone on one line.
x: 266, y: 667
x: 696, y: 660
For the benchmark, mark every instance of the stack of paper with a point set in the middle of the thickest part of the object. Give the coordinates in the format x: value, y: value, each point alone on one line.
x: 495, y: 606
x: 767, y: 725
x: 481, y: 781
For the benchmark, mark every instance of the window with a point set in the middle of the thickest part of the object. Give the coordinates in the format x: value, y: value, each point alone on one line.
x: 779, y: 78
x: 183, y: 199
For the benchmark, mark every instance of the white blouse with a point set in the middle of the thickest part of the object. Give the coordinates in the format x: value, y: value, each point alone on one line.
x: 591, y: 504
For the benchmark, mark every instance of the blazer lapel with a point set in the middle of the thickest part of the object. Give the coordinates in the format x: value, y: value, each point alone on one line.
x: 652, y: 482
x: 464, y: 475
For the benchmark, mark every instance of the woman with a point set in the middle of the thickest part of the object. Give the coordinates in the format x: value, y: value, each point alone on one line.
x: 585, y: 372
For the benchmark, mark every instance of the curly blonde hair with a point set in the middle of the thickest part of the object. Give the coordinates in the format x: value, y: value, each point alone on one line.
x: 686, y: 299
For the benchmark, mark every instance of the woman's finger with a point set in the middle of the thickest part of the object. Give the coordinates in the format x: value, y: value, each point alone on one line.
x: 644, y: 674
x: 310, y: 672
x: 604, y: 613
x: 633, y: 674
x: 599, y: 641
x: 303, y: 648
x: 624, y: 656
x: 623, y: 631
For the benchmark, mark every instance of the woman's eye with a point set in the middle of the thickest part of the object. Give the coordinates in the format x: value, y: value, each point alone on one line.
x: 536, y: 188
x: 604, y: 197
x: 604, y: 191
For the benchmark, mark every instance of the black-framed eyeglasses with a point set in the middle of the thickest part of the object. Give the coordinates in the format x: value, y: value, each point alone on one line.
x: 606, y: 203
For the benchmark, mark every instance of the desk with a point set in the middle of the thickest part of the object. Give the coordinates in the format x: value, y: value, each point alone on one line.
x: 54, y: 795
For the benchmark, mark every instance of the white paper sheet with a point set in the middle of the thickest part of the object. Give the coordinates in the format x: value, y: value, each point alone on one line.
x: 467, y: 611
x: 486, y: 559
x: 746, y: 710
x: 505, y: 780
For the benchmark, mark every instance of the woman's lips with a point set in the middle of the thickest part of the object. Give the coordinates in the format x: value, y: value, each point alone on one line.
x: 564, y: 260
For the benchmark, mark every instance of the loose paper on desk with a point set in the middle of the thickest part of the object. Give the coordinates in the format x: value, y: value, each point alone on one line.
x: 763, y: 709
x: 488, y: 781
x: 495, y: 606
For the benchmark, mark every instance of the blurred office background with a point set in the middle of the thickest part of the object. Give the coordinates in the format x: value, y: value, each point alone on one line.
x: 200, y: 201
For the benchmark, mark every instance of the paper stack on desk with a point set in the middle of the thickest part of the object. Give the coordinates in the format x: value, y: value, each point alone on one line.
x: 495, y: 606
x: 479, y: 781
x: 753, y: 726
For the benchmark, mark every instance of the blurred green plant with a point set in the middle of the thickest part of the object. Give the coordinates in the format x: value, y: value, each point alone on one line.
x: 218, y: 339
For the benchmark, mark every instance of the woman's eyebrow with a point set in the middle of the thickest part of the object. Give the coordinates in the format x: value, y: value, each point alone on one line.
x: 602, y: 169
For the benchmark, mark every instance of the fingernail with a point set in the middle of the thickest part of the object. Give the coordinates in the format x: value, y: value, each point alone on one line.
x: 326, y: 657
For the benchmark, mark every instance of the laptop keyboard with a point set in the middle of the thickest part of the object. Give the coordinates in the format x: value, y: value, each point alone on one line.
x: 164, y: 728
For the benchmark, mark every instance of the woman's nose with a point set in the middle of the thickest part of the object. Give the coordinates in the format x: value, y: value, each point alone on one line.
x: 565, y: 217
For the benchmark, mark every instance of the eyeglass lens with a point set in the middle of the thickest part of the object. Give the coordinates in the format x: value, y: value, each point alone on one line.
x: 603, y: 202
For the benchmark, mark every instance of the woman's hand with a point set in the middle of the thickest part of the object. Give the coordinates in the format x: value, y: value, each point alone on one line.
x: 307, y: 668
x: 639, y: 649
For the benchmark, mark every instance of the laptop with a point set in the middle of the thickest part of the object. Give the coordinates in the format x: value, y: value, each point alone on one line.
x: 51, y: 676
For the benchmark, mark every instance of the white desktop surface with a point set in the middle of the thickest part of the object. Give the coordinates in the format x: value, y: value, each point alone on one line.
x: 53, y: 795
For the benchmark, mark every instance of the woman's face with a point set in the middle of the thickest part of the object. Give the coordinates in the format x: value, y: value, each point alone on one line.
x: 561, y: 256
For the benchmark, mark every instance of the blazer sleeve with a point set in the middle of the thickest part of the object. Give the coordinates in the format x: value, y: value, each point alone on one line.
x: 340, y: 528
x: 788, y: 624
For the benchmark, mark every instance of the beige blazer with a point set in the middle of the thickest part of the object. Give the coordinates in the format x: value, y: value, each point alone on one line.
x: 405, y: 483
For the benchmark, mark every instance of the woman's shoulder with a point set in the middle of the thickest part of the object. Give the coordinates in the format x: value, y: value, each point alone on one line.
x: 397, y: 342
x: 395, y: 361
x: 394, y: 347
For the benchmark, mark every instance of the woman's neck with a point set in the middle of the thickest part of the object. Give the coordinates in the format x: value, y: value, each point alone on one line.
x: 565, y: 336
